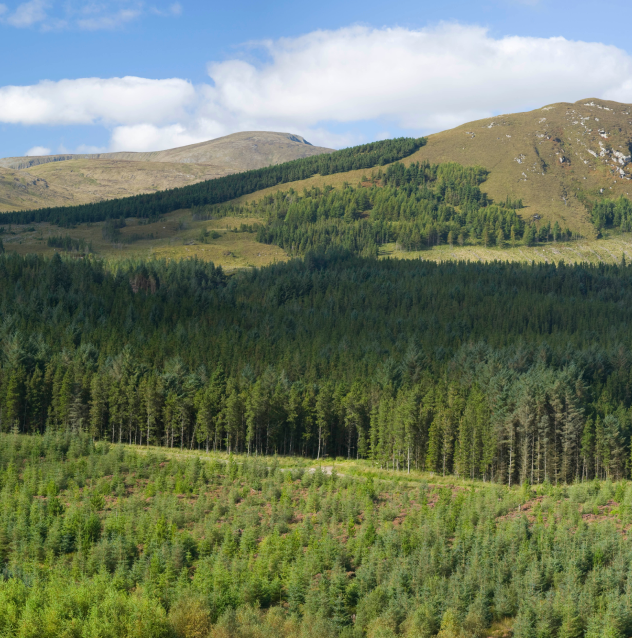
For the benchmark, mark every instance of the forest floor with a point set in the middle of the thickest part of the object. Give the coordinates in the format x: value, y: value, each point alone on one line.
x: 178, y: 236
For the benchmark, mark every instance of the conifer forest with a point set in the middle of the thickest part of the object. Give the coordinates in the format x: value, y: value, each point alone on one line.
x: 338, y: 445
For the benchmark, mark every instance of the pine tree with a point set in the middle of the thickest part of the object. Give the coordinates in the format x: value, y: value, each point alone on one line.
x: 324, y: 408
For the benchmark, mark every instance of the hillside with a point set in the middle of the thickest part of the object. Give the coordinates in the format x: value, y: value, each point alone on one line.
x: 547, y: 157
x: 63, y: 180
x: 554, y: 159
x: 550, y: 158
x: 162, y: 543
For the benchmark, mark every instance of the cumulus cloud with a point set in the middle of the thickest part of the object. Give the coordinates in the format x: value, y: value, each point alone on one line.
x: 37, y: 151
x: 425, y: 79
x: 318, y: 84
x: 127, y: 100
x: 148, y: 137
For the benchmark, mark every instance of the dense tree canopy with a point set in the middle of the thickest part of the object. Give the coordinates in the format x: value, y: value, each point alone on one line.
x: 506, y: 372
x: 417, y: 207
x: 610, y: 213
x: 99, y: 541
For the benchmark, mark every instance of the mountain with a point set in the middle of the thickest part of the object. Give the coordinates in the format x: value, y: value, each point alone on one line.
x: 236, y: 152
x: 61, y: 180
x: 556, y: 159
x: 553, y: 158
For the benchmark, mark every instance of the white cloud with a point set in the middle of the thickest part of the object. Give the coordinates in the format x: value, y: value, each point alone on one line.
x: 421, y: 80
x: 89, y: 15
x: 148, y: 137
x: 86, y: 148
x: 426, y: 79
x: 127, y: 100
x: 109, y: 21
x: 27, y: 13
x: 37, y: 151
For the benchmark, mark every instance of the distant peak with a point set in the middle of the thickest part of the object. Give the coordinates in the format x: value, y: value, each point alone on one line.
x: 299, y: 139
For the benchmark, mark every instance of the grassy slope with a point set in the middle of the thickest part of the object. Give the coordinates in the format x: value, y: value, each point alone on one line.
x: 549, y: 189
x: 607, y: 251
x: 547, y: 186
x: 83, y: 180
x: 177, y: 237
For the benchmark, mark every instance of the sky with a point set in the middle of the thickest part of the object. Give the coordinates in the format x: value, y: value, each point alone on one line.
x: 110, y: 75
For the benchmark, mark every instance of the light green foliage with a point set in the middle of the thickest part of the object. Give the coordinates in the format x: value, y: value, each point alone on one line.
x: 238, y: 555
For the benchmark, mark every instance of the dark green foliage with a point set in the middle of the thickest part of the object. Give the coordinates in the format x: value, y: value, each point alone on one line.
x: 68, y: 244
x: 222, y: 189
x: 609, y: 213
x: 507, y: 372
x: 418, y: 207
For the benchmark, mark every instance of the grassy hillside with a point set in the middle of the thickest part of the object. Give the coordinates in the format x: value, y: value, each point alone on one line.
x: 178, y: 236
x: 83, y: 181
x: 522, y: 153
x: 237, y: 152
x: 174, y: 236
x: 554, y: 158
x: 65, y: 180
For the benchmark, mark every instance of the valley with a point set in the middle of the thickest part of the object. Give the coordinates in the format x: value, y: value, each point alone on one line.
x: 382, y: 392
x: 178, y: 236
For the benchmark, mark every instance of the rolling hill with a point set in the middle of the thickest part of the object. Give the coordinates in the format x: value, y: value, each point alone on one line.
x: 553, y: 158
x: 63, y: 180
x: 556, y: 160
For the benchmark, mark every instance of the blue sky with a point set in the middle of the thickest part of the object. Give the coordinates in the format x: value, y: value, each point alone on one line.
x: 81, y: 75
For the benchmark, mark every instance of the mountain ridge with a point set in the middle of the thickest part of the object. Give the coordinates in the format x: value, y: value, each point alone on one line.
x: 66, y: 180
x: 198, y: 153
x: 557, y: 159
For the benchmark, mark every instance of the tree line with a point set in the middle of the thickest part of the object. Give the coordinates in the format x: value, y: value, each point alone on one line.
x: 506, y: 372
x: 417, y: 207
x: 222, y: 189
x: 612, y: 213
